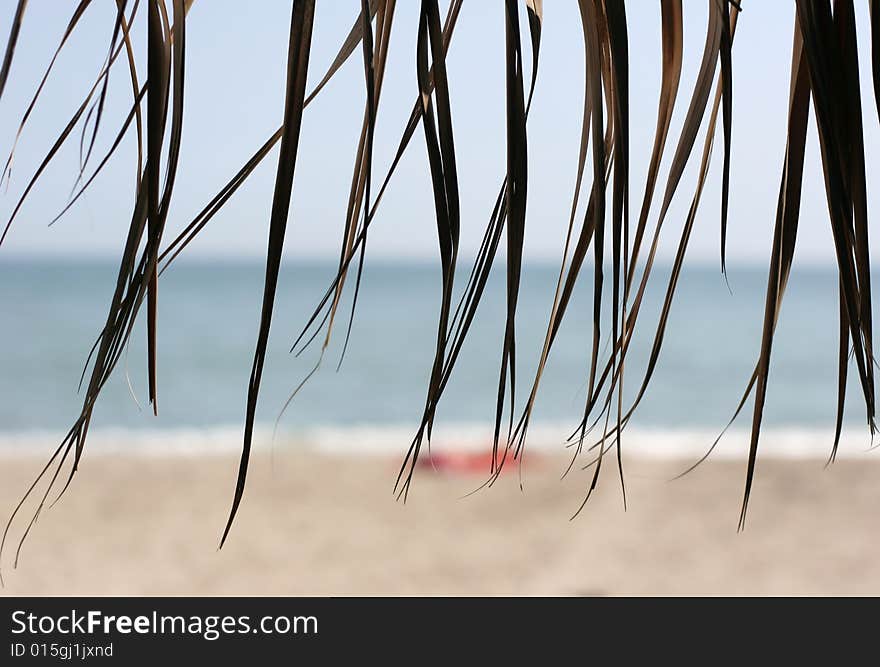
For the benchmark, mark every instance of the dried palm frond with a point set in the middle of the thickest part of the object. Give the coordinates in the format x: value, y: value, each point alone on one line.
x: 824, y: 71
x: 297, y: 70
x: 10, y: 44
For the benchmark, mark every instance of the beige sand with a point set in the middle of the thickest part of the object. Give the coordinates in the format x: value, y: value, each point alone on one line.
x: 327, y: 525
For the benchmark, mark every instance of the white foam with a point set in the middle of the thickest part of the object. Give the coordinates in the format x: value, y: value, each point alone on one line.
x: 785, y: 442
x: 393, y: 440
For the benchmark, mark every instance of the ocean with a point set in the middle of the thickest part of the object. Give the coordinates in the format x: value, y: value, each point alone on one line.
x: 209, y: 311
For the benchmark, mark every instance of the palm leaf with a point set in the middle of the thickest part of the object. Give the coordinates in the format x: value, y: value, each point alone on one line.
x: 824, y: 73
x: 10, y: 44
x: 299, y: 48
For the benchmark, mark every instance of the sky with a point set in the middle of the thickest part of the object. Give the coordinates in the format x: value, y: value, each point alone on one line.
x: 235, y: 69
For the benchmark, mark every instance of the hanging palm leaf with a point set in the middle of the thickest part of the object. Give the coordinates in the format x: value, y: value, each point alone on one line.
x: 824, y: 73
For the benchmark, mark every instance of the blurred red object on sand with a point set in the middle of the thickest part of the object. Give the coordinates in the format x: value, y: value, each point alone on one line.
x: 465, y: 462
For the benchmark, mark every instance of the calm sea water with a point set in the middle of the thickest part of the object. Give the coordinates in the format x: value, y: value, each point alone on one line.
x: 208, y: 314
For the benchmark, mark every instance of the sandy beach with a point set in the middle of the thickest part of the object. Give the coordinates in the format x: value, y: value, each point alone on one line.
x: 329, y: 525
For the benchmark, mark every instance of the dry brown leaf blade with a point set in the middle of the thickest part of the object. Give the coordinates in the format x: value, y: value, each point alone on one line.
x: 299, y: 48
x: 14, y: 31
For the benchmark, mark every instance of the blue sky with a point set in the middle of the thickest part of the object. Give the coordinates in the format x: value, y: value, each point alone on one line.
x: 235, y: 87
